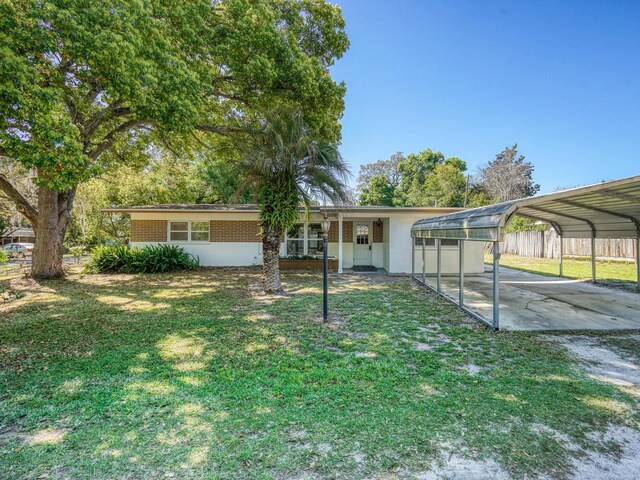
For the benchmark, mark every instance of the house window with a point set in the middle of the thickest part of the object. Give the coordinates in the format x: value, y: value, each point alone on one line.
x: 189, y: 231
x: 295, y: 240
x: 199, y: 231
x: 314, y: 239
x: 362, y: 234
x: 179, y: 231
x: 304, y: 239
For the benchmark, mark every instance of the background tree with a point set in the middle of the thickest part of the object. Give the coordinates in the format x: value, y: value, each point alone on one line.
x: 442, y: 187
x: 415, y: 172
x: 508, y: 177
x: 208, y: 176
x: 10, y: 218
x: 421, y: 179
x: 378, y: 191
x: 389, y: 168
x: 287, y: 167
x: 85, y: 85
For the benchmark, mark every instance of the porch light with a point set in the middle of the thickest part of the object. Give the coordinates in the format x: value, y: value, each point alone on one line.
x: 325, y: 225
x: 379, y: 222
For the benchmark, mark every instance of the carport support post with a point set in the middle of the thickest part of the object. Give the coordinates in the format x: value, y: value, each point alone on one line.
x: 638, y: 259
x: 561, y: 253
x: 424, y: 263
x: 496, y: 285
x: 461, y: 273
x: 439, y: 265
x: 593, y: 258
x: 413, y: 258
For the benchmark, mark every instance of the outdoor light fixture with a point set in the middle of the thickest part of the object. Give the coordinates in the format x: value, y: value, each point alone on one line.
x: 325, y: 267
x: 379, y: 222
x: 325, y: 226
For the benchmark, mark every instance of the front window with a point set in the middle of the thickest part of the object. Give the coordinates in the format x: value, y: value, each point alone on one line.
x: 189, y: 231
x: 314, y: 239
x: 295, y: 240
x: 199, y: 231
x: 304, y: 239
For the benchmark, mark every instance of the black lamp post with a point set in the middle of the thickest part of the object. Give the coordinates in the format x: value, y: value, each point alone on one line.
x: 325, y: 267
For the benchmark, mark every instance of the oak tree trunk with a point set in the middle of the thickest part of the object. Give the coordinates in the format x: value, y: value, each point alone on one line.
x: 53, y: 215
x: 271, y: 262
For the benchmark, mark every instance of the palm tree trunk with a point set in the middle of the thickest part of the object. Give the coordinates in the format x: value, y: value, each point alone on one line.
x: 270, y: 262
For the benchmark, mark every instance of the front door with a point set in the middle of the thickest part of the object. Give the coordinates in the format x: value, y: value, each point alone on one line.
x: 362, y: 243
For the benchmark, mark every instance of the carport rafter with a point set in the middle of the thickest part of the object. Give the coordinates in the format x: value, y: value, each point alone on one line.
x: 631, y: 218
x: 619, y: 196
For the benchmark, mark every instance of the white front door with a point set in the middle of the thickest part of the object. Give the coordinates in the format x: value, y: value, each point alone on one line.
x: 362, y: 243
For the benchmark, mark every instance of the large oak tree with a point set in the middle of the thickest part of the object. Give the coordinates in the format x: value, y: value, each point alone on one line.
x: 85, y: 84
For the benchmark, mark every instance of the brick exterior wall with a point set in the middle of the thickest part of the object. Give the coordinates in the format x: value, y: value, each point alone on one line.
x: 234, y: 231
x: 378, y: 233
x: 148, y: 230
x: 347, y: 232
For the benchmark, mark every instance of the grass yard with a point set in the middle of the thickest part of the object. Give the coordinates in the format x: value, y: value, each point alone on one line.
x: 619, y: 273
x: 197, y: 375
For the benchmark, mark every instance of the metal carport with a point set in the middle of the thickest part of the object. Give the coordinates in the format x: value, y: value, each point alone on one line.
x: 605, y: 210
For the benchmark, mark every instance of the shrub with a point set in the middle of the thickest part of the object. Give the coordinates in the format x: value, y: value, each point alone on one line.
x: 78, y: 251
x: 148, y: 259
x: 4, y: 256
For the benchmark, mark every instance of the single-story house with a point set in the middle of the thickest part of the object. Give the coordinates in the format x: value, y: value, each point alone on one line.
x: 228, y: 235
x: 17, y: 235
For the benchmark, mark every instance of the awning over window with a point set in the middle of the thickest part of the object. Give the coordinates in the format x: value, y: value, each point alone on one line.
x: 605, y: 210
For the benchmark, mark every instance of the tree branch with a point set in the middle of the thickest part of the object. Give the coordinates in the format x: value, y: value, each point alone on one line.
x: 219, y: 130
x: 22, y: 204
x: 95, y: 122
x: 111, y: 137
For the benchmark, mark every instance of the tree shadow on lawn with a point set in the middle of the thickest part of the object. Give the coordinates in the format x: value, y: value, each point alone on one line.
x: 189, y: 374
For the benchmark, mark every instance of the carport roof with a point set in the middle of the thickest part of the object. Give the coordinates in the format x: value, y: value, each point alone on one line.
x: 604, y: 210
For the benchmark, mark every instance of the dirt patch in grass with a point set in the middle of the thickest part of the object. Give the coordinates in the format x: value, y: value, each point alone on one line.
x: 604, y: 363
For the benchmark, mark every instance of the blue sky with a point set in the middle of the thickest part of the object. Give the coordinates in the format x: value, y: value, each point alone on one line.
x: 561, y: 79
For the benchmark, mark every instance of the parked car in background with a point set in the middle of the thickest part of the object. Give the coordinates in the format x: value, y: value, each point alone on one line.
x: 19, y: 251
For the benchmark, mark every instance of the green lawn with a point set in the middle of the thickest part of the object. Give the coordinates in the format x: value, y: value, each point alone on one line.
x: 196, y: 375
x: 606, y: 271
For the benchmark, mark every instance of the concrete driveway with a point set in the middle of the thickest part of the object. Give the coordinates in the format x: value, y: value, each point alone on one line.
x: 536, y: 302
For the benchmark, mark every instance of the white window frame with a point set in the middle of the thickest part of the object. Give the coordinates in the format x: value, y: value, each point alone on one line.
x: 189, y: 230
x: 305, y: 239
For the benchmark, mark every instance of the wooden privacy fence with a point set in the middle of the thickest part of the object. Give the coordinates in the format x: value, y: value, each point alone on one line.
x: 546, y: 244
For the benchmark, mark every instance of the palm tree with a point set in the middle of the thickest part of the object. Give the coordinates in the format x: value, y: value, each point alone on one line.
x: 287, y: 167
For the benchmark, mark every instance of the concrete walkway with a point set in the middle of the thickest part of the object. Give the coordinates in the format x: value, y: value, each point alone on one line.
x: 536, y: 302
